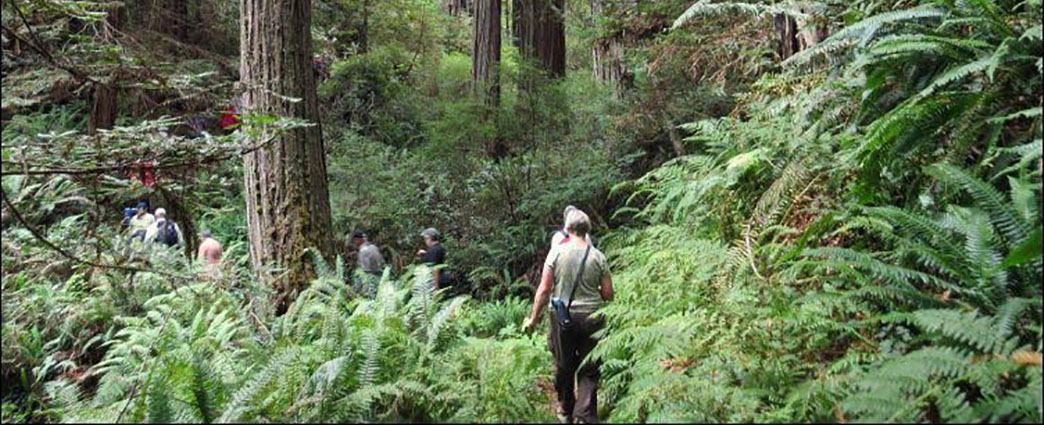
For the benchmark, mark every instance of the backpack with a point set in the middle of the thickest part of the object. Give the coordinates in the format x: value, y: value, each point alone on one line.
x: 167, y: 233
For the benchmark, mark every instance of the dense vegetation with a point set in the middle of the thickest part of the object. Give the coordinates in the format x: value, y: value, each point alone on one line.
x: 838, y: 228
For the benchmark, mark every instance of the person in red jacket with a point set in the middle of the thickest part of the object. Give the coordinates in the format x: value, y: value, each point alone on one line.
x: 230, y: 116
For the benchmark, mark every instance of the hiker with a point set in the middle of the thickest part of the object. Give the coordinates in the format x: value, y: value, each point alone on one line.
x: 576, y: 280
x: 230, y: 116
x: 140, y: 223
x: 368, y: 258
x: 128, y: 214
x: 434, y: 256
x: 209, y: 253
x: 164, y: 231
x: 369, y: 262
x: 561, y: 236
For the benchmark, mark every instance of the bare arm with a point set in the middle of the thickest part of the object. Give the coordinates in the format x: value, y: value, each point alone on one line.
x: 543, y: 293
x: 607, y: 287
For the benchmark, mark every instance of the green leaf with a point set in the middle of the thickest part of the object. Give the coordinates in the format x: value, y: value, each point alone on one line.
x: 1026, y: 252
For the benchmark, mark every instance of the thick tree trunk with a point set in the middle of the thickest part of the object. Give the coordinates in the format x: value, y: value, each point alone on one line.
x: 103, y: 109
x: 542, y: 35
x: 485, y: 74
x: 103, y: 98
x: 606, y: 53
x: 786, y: 30
x: 485, y: 66
x: 288, y: 203
x: 799, y: 34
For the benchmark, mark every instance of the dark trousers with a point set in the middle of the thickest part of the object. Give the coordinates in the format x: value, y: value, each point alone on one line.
x: 578, y: 398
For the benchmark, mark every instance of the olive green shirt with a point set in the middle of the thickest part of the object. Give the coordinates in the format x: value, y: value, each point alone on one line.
x: 565, y: 263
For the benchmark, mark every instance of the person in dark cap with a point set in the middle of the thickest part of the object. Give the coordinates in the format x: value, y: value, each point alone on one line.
x: 142, y: 220
x: 434, y: 256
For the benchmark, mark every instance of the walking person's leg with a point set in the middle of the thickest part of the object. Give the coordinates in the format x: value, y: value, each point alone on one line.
x: 586, y: 407
x: 563, y: 347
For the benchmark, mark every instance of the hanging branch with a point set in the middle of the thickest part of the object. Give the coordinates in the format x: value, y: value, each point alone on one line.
x: 40, y: 237
x: 221, y: 156
x: 39, y: 48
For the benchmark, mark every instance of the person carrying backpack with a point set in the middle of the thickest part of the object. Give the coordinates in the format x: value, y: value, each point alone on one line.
x: 164, y: 231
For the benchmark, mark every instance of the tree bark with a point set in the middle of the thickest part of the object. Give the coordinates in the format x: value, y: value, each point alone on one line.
x: 786, y: 29
x: 485, y: 72
x: 288, y: 203
x: 103, y: 109
x: 542, y: 35
x: 103, y: 98
x: 607, y: 52
x: 799, y: 34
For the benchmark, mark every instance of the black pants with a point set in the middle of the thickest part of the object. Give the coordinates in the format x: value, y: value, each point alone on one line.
x: 577, y: 397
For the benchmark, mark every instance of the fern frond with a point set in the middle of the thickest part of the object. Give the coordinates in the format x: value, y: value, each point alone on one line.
x: 253, y: 385
x: 705, y: 8
x: 1001, y: 213
x: 968, y: 327
x: 848, y: 36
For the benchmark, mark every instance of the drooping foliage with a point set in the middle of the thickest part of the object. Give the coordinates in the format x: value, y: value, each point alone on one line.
x: 814, y: 212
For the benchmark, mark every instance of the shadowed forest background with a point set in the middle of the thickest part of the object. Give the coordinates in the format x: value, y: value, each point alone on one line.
x: 814, y: 211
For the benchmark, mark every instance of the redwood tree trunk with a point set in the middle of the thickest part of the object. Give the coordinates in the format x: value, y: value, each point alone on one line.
x: 288, y: 203
x: 786, y: 29
x: 485, y: 75
x: 607, y: 52
x: 103, y: 108
x: 103, y: 97
x: 542, y: 34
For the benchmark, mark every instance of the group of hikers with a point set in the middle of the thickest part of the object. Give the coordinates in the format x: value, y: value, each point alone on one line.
x: 370, y: 263
x: 155, y: 228
x: 574, y: 283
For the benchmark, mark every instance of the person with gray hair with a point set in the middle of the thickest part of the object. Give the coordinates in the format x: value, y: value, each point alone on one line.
x: 369, y: 262
x: 577, y: 282
x: 562, y: 236
x: 164, y: 231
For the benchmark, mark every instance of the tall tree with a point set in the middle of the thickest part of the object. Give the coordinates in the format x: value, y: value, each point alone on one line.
x: 607, y: 51
x: 485, y: 74
x: 288, y: 203
x: 541, y: 34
